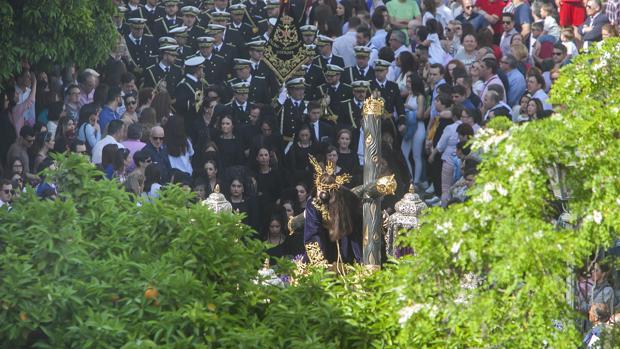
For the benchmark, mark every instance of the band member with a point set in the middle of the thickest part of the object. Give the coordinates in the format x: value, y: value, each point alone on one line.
x: 333, y: 88
x: 140, y: 45
x: 189, y: 92
x: 214, y: 65
x: 166, y: 70
x: 292, y: 109
x: 361, y: 70
x: 162, y: 25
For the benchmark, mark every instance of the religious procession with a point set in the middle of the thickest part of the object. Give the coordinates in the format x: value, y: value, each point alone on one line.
x: 310, y: 174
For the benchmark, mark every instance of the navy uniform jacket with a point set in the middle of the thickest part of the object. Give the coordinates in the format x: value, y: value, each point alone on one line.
x: 352, y: 74
x: 229, y: 53
x: 349, y: 115
x: 240, y: 116
x: 154, y: 74
x: 322, y: 62
x: 259, y: 90
x: 142, y: 55
x: 215, y: 69
x: 246, y: 31
x: 234, y: 37
x: 188, y: 92
x: 314, y: 78
x: 350, y: 245
x: 393, y: 102
x: 162, y: 26
x: 257, y: 10
x: 290, y: 118
x: 196, y: 32
x: 342, y: 93
x: 150, y: 17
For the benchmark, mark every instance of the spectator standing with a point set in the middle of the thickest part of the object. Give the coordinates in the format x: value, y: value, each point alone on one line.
x: 19, y: 149
x: 109, y: 110
x: 591, y: 30
x: 133, y: 143
x: 89, y: 130
x: 116, y: 134
x: 516, y: 80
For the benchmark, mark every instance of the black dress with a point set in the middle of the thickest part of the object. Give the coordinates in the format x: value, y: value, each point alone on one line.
x: 249, y: 208
x: 269, y: 190
x: 230, y: 152
x: 298, y: 163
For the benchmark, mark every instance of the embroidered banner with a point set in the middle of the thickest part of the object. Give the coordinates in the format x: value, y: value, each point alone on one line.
x: 285, y: 52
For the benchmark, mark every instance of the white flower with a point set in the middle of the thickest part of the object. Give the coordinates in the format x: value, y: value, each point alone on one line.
x: 538, y: 234
x: 501, y: 190
x: 444, y: 227
x: 456, y: 247
x: 406, y: 312
x: 597, y: 216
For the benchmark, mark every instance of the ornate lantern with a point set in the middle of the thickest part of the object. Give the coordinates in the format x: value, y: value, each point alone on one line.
x: 217, y: 202
x: 406, y: 217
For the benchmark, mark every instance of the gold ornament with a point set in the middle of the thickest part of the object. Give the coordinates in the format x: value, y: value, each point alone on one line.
x: 330, y: 170
x: 386, y: 185
x: 373, y: 106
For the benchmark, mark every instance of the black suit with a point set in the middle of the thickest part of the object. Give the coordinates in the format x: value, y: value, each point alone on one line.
x: 154, y: 74
x: 327, y: 133
x: 188, y: 92
x: 596, y: 34
x: 142, y: 54
x: 353, y: 74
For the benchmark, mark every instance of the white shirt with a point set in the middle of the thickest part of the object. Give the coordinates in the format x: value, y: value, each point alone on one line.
x: 542, y: 96
x: 343, y: 47
x: 183, y: 162
x: 98, y: 148
x: 448, y: 141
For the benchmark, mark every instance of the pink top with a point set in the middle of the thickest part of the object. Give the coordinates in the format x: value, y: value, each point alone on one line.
x: 17, y: 114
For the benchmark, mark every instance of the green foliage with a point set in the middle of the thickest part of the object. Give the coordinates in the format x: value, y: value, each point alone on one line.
x: 79, y: 31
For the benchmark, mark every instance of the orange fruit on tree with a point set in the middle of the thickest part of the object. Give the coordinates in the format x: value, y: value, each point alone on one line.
x: 151, y: 293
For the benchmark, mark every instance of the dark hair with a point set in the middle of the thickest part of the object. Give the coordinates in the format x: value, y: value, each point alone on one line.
x: 490, y: 63
x: 417, y: 84
x: 144, y: 94
x: 459, y: 90
x: 601, y: 312
x: 140, y: 156
x: 354, y: 21
x: 108, y: 154
x: 114, y: 126
x: 377, y: 19
x: 26, y: 131
x: 445, y: 99
x: 127, y: 77
x: 475, y: 114
x: 86, y: 111
x: 465, y: 130
x: 134, y: 131
x: 438, y: 66
x: 386, y: 54
x: 485, y: 37
x: 509, y: 15
x: 430, y: 6
x: 463, y: 147
x: 54, y: 111
x: 119, y: 159
x: 113, y: 93
x: 407, y: 62
x: 101, y: 94
x: 175, y: 137
x: 313, y: 105
x: 539, y: 79
x: 364, y: 30
x: 152, y: 174
x: 539, y: 108
x: 132, y: 94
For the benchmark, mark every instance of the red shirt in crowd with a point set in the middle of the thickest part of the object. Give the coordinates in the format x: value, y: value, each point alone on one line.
x: 493, y: 7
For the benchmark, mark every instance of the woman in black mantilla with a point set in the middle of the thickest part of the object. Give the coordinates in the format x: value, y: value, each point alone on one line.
x: 333, y: 218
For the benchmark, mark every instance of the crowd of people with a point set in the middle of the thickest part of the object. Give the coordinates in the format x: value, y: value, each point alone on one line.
x: 187, y: 98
